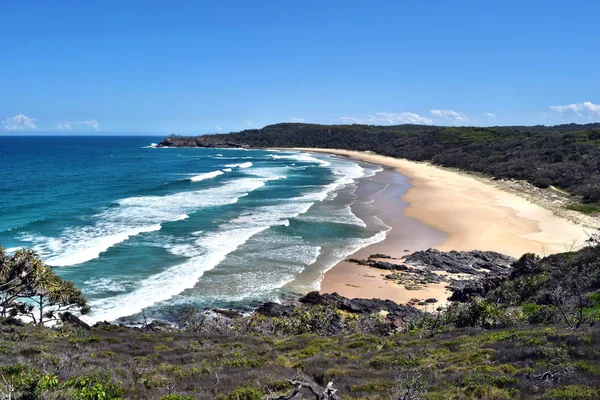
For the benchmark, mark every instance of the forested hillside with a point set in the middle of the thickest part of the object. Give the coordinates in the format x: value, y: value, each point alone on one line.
x: 565, y: 156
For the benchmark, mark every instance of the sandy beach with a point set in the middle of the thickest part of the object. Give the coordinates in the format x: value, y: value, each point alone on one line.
x: 468, y: 212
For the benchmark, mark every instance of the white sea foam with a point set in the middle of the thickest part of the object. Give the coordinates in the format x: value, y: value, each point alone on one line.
x: 206, y: 175
x: 226, y: 170
x: 218, y: 155
x: 352, y: 246
x: 337, y: 216
x: 304, y: 157
x: 204, y: 254
x: 241, y: 165
x: 372, y: 172
x: 85, y: 244
x: 211, y: 250
x: 152, y: 146
x: 103, y: 285
x: 131, y: 217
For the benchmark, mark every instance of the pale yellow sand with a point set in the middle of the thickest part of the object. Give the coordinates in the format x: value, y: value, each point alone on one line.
x: 473, y: 214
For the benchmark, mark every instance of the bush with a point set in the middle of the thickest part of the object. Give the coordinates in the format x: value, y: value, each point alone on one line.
x: 243, y: 394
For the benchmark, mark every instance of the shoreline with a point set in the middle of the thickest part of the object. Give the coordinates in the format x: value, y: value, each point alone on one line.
x: 474, y: 213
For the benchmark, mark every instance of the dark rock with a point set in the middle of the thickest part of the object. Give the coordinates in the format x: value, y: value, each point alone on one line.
x: 158, y: 326
x: 70, y: 319
x: 431, y: 300
x: 363, y: 306
x: 103, y: 325
x: 379, y: 264
x: 228, y: 313
x: 379, y: 255
x: 359, y: 262
x: 468, y: 262
x: 271, y: 309
x: 388, y: 266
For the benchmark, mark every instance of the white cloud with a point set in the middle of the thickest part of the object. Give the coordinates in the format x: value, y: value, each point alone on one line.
x: 249, y: 123
x: 450, y: 115
x: 296, y: 119
x: 19, y: 122
x: 67, y: 126
x: 219, y: 128
x: 587, y: 109
x: 491, y: 115
x: 92, y: 123
x: 63, y: 126
x: 388, y: 118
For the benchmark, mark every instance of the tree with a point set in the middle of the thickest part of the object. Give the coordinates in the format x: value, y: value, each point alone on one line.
x: 30, y: 288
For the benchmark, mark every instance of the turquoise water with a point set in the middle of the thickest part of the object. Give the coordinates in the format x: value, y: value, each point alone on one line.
x: 140, y: 228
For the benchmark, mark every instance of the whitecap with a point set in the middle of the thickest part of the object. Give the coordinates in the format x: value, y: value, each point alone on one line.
x: 342, y: 215
x: 241, y: 165
x: 103, y: 285
x: 206, y: 175
x: 133, y: 216
x: 303, y: 157
x: 211, y: 250
x: 350, y: 247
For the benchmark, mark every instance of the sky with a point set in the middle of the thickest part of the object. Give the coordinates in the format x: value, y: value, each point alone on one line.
x: 195, y: 67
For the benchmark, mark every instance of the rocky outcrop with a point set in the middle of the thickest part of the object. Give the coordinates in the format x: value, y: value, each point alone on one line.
x: 394, y: 312
x: 379, y: 264
x: 272, y: 309
x: 466, y: 262
x: 485, y: 269
x: 199, y: 141
x: 363, y: 306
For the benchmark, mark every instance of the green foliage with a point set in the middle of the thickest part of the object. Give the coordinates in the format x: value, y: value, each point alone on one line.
x: 243, y: 394
x: 584, y: 208
x: 476, y: 313
x: 95, y: 387
x: 30, y: 288
x: 48, y: 382
x: 320, y: 320
x: 572, y: 392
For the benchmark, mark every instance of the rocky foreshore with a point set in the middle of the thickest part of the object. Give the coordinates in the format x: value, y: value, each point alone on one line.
x: 467, y: 273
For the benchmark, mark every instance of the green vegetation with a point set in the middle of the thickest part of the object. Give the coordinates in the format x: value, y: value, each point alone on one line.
x: 584, y: 208
x: 533, y: 336
x: 533, y: 362
x: 29, y: 288
x: 565, y: 156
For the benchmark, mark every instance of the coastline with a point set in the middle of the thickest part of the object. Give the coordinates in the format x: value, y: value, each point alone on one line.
x: 473, y: 213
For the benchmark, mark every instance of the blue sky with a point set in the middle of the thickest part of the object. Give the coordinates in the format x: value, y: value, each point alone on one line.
x: 156, y: 67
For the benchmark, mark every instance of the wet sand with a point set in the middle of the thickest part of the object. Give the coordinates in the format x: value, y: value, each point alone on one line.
x: 447, y: 210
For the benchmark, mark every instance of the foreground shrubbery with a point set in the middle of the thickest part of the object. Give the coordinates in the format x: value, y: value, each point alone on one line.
x: 531, y: 336
x: 468, y: 363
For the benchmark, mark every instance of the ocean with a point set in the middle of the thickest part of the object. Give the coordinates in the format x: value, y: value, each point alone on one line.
x: 139, y: 228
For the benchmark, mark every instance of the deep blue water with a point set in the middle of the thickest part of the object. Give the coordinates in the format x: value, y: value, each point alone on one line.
x: 137, y: 227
